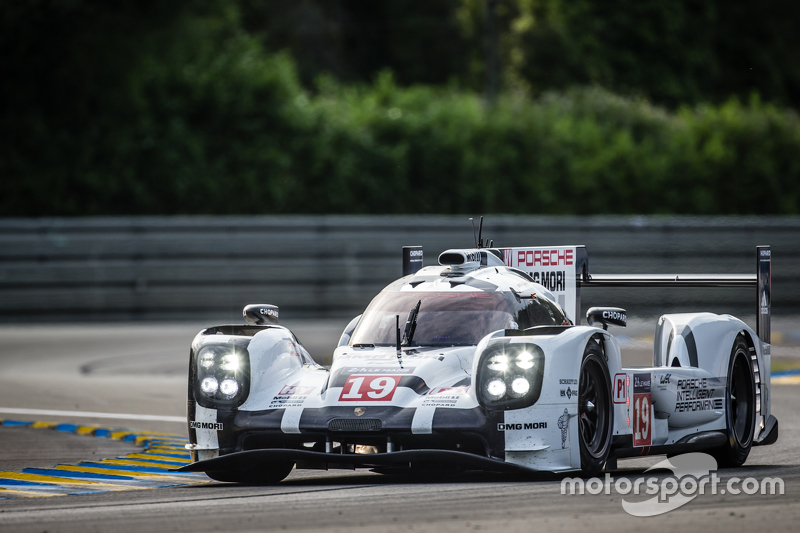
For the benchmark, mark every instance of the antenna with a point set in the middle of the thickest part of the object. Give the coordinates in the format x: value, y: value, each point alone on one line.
x: 480, y: 232
x: 399, y: 352
x: 473, y: 232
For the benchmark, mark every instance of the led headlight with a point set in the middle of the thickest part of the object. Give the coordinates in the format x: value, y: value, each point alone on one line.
x: 524, y: 360
x: 207, y: 360
x: 498, y: 362
x: 519, y: 387
x: 230, y: 362
x: 222, y: 374
x: 229, y: 388
x: 209, y: 385
x: 510, y: 374
x: 496, y: 389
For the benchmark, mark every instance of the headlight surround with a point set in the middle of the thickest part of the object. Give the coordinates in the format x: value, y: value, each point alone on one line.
x: 510, y: 375
x: 222, y: 375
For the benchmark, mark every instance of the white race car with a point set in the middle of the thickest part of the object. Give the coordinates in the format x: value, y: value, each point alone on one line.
x: 481, y: 363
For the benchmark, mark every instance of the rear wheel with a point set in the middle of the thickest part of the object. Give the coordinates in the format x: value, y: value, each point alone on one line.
x: 740, y: 407
x: 274, y: 473
x: 595, y: 410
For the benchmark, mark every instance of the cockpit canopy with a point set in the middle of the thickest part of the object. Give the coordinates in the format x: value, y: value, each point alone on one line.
x: 452, y: 318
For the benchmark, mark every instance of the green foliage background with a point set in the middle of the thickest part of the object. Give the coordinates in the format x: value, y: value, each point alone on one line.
x: 145, y: 107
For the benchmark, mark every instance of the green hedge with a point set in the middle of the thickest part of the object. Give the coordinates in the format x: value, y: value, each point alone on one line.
x: 233, y: 131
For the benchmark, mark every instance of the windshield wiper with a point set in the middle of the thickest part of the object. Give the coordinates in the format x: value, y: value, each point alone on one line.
x: 411, y: 325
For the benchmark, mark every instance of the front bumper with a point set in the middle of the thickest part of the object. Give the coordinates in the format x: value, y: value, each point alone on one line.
x: 471, y: 432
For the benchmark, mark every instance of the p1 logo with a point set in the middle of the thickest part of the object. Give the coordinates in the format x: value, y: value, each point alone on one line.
x: 620, y: 388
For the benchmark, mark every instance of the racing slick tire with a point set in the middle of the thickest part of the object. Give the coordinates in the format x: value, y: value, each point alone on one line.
x: 276, y: 473
x: 740, y: 407
x: 595, y: 410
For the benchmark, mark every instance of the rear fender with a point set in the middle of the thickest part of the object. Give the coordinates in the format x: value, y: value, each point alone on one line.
x: 711, y: 338
x: 697, y: 340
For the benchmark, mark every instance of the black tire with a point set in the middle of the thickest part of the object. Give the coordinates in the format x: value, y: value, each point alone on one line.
x: 275, y: 473
x: 595, y: 424
x: 740, y: 407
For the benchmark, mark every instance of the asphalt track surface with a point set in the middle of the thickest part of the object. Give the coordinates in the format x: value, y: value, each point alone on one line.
x: 137, y: 373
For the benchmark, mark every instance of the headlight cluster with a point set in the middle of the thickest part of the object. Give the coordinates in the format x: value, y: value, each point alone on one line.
x: 510, y: 375
x: 222, y: 375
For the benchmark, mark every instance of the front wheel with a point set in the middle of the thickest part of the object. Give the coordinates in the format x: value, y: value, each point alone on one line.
x: 275, y: 473
x: 740, y: 407
x: 595, y: 410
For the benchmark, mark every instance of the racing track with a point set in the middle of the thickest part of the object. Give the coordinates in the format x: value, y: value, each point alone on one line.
x: 140, y: 370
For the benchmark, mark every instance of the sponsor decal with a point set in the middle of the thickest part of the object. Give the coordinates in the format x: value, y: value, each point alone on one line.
x: 518, y: 427
x: 364, y: 370
x: 567, y: 381
x: 291, y: 390
x: 695, y: 394
x: 764, y: 304
x: 268, y: 312
x: 206, y: 425
x: 766, y: 253
x: 620, y: 388
x: 369, y: 388
x: 415, y: 253
x: 569, y: 393
x: 641, y: 383
x: 553, y: 268
x: 291, y: 396
x: 552, y: 281
x: 471, y: 257
x: 563, y: 425
x: 552, y: 257
x: 614, y: 315
x: 449, y: 390
x: 664, y: 379
x: 444, y: 396
x: 642, y: 410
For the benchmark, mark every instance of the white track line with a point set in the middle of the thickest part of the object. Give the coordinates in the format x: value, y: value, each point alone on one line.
x: 85, y: 414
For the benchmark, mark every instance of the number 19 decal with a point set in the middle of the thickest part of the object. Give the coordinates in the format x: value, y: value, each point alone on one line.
x: 369, y: 388
x: 642, y: 411
x: 641, y: 420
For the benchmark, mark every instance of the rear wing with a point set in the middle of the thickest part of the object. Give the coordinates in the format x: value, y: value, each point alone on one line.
x: 564, y: 270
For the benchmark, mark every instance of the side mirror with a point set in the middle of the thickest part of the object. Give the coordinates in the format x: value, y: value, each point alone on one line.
x: 260, y: 314
x: 348, y: 331
x: 615, y: 316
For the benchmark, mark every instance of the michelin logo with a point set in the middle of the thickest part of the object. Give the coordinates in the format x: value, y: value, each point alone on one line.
x: 206, y: 425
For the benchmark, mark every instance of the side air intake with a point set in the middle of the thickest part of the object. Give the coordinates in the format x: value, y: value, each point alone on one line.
x: 465, y: 260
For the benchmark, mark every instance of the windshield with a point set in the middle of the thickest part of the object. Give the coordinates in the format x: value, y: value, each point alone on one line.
x: 445, y: 318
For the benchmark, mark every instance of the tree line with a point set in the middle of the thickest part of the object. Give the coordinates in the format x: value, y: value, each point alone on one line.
x: 249, y: 106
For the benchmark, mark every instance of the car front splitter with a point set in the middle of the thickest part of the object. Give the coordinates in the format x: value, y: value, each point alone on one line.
x: 255, y: 459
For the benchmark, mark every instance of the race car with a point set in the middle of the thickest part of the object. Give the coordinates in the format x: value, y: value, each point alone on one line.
x: 481, y: 363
